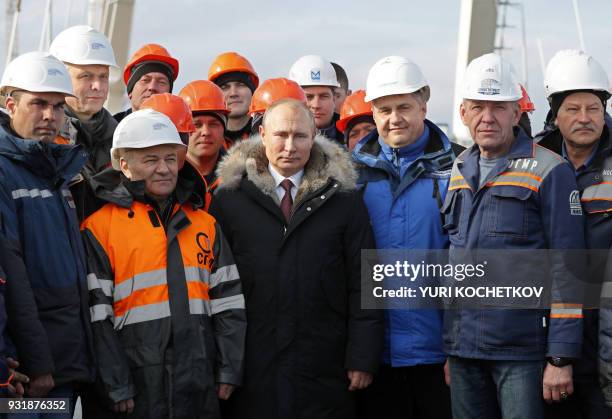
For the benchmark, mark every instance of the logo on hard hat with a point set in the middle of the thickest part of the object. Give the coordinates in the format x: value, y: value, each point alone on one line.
x: 97, y: 45
x: 315, y: 75
x: 157, y: 126
x: 54, y: 72
x: 489, y: 87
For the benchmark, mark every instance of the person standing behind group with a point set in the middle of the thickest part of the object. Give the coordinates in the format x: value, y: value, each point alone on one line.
x: 317, y: 77
x: 88, y: 55
x: 237, y: 78
x: 151, y: 70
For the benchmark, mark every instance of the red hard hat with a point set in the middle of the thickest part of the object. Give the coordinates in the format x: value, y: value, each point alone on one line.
x: 151, y: 52
x: 525, y: 102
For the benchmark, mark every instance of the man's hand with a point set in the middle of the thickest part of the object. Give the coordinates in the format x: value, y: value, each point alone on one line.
x: 15, y: 387
x: 225, y: 391
x: 447, y: 374
x: 124, y: 406
x: 359, y: 380
x: 557, y: 383
x: 40, y: 386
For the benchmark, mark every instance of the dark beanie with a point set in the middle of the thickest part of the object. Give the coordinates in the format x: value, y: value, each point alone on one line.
x: 557, y: 99
x: 357, y: 120
x: 147, y: 67
x: 239, y: 76
x: 220, y: 116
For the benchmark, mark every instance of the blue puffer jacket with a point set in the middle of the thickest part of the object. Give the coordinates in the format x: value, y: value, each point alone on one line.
x: 38, y: 217
x: 404, y: 205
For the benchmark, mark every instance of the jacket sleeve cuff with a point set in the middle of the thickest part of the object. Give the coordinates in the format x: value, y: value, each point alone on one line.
x: 123, y: 393
x: 564, y: 350
x: 229, y: 378
x: 364, y: 365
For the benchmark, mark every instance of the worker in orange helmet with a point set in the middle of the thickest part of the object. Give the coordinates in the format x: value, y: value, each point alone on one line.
x: 527, y: 107
x: 207, y: 143
x: 269, y: 92
x: 177, y: 109
x: 237, y: 78
x: 151, y: 70
x: 356, y: 120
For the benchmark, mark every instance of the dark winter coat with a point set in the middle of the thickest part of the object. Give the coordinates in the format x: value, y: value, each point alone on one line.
x: 96, y: 136
x: 39, y: 220
x: 301, y: 282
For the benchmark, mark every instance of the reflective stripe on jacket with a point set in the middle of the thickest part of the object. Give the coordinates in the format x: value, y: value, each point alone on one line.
x: 529, y: 201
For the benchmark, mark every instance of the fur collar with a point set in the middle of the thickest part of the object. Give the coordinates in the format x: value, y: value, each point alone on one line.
x: 327, y: 161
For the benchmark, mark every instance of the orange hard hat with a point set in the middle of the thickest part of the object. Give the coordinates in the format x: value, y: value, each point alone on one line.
x: 231, y: 62
x: 151, y: 52
x: 354, y: 106
x: 204, y: 96
x: 525, y: 102
x: 272, y: 90
x: 174, y: 108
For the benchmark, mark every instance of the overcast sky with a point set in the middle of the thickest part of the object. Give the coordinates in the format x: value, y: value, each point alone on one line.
x: 272, y: 34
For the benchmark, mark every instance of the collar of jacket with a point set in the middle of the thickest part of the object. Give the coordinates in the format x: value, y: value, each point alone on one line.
x: 92, y: 132
x: 522, y: 147
x: 438, y: 150
x: 54, y: 162
x: 243, y: 132
x: 331, y: 132
x: 328, y: 161
x: 112, y: 186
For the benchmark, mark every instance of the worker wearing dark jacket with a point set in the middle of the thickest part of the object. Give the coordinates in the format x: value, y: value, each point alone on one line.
x: 86, y: 121
x: 507, y: 193
x: 289, y: 209
x: 39, y: 217
x: 166, y: 302
x: 582, y: 136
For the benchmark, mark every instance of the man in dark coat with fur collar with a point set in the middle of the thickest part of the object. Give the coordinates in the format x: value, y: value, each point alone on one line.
x: 288, y: 207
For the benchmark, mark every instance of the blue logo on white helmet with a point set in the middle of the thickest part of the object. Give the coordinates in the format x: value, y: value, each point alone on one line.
x: 54, y: 72
x: 97, y: 45
x: 315, y: 75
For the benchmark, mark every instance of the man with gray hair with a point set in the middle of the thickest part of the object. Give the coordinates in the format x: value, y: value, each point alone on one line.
x: 296, y: 225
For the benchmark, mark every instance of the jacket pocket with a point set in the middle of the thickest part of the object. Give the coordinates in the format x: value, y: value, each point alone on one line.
x: 451, y: 210
x: 510, y: 216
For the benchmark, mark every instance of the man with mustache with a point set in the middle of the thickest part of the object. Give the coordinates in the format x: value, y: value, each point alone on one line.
x: 151, y: 70
x: 39, y: 219
x: 577, y: 89
x: 88, y: 55
x: 237, y: 78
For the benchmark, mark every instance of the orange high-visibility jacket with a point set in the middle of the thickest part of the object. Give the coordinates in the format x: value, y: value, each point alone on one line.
x: 166, y: 304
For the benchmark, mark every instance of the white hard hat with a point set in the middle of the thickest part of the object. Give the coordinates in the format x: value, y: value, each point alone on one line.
x: 37, y: 72
x: 572, y: 69
x: 143, y: 129
x: 490, y: 77
x: 313, y: 70
x: 394, y: 76
x: 83, y: 45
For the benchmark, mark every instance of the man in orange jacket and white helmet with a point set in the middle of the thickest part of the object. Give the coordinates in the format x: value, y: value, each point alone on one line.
x: 166, y: 304
x: 237, y: 78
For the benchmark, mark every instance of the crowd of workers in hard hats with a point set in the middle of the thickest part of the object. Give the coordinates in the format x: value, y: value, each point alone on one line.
x: 200, y: 255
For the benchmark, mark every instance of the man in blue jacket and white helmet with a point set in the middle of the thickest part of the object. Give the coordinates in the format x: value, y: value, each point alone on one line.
x: 404, y: 170
x: 39, y: 220
x: 510, y: 194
